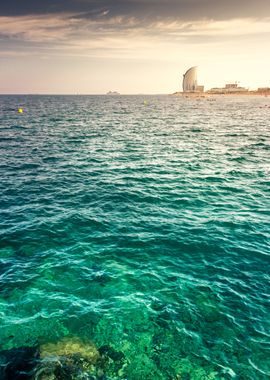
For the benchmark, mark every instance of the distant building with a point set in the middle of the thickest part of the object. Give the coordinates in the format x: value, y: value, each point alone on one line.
x: 264, y: 89
x: 230, y: 88
x: 200, y: 88
x: 231, y: 85
x: 190, y: 83
x: 190, y: 80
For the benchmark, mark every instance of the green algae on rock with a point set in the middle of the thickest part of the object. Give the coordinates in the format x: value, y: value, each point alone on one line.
x: 69, y: 358
x: 69, y: 347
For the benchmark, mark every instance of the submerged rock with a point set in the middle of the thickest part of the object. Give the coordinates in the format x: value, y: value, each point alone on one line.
x: 111, y: 353
x: 112, y: 361
x: 70, y: 347
x: 18, y: 363
x: 68, y: 359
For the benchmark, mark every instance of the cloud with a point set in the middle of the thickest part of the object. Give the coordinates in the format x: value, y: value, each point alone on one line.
x: 36, y: 28
x: 62, y: 45
x: 144, y: 10
x: 126, y: 29
x: 67, y: 28
x: 97, y: 22
x: 64, y: 34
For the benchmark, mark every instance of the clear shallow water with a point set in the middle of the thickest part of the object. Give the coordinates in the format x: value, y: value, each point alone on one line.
x: 139, y: 227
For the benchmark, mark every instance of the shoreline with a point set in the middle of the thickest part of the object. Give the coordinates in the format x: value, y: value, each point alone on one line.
x: 208, y: 94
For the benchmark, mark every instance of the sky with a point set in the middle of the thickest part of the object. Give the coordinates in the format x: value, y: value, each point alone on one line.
x: 131, y: 46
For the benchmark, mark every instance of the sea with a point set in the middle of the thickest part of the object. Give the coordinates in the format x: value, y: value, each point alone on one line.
x: 134, y: 237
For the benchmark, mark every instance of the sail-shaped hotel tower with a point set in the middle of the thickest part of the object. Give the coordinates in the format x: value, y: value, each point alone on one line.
x: 190, y: 80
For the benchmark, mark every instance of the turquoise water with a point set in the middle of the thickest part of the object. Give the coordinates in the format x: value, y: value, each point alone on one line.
x: 140, y: 228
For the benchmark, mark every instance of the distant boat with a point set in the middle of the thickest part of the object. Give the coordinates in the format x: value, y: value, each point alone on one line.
x: 112, y: 93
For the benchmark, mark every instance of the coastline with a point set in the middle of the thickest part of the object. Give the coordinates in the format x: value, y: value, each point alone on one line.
x: 208, y: 94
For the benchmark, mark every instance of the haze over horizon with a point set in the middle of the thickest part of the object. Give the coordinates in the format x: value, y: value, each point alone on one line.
x: 143, y: 46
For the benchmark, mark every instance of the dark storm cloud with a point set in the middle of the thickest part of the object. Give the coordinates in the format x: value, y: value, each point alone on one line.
x: 142, y: 9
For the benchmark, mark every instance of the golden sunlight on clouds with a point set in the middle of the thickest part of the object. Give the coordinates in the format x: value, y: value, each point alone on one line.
x: 37, y: 28
x: 234, y: 49
x: 60, y: 27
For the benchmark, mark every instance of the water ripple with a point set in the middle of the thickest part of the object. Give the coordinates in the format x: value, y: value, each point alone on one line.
x: 139, y: 227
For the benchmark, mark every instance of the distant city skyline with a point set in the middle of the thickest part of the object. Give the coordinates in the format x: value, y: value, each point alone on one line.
x: 144, y: 46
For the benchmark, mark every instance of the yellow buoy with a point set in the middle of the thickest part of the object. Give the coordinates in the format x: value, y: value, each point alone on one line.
x: 20, y: 110
x: 145, y: 102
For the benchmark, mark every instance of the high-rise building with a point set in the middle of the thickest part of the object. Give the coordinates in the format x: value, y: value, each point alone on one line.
x: 190, y: 80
